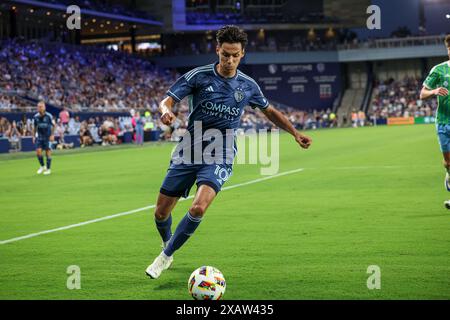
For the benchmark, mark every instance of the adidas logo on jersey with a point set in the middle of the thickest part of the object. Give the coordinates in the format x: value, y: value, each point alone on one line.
x: 210, y: 89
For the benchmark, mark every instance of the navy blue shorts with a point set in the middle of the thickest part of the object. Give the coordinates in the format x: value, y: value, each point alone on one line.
x: 43, y: 144
x: 181, y: 177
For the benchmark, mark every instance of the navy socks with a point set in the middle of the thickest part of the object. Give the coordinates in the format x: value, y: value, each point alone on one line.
x: 184, y: 230
x: 164, y: 228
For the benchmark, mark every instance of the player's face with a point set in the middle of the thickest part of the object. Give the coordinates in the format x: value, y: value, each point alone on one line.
x: 230, y: 55
x: 41, y: 108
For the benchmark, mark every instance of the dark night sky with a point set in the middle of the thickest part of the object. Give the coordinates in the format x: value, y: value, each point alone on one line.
x: 436, y: 22
x: 397, y: 13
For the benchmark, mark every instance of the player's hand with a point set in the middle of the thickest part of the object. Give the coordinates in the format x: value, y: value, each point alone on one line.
x: 440, y: 92
x: 167, y: 118
x: 52, y: 138
x: 303, y: 141
x: 33, y: 139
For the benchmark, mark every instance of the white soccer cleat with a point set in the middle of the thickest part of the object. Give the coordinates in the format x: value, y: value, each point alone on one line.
x: 161, y: 263
x: 41, y: 169
x: 447, y: 204
x: 47, y: 172
x: 447, y: 181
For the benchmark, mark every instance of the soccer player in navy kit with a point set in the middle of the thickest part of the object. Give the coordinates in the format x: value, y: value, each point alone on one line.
x: 44, y: 127
x: 217, y: 95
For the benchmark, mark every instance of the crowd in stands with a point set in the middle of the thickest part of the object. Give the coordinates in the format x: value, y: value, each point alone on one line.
x: 82, y: 79
x: 13, y: 103
x: 400, y: 98
x: 63, y: 76
x: 95, y: 130
x: 107, y: 130
x: 302, y: 120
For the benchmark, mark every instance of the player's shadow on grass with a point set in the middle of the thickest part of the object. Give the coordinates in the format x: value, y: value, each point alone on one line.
x: 170, y: 285
x: 184, y: 272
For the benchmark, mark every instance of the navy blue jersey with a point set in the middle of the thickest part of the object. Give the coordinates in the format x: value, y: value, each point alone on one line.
x: 216, y: 101
x: 43, y: 125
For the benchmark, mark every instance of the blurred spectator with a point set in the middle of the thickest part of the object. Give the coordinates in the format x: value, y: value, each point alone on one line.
x: 361, y: 118
x: 64, y: 116
x: 13, y: 135
x: 85, y: 135
x: 139, y: 129
x: 59, y: 130
x: 354, y: 118
x: 108, y: 133
x: 148, y: 121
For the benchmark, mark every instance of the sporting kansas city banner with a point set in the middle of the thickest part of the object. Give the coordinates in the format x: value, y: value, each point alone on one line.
x: 305, y: 86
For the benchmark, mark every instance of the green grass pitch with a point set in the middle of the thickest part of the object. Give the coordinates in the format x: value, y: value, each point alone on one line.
x: 367, y: 196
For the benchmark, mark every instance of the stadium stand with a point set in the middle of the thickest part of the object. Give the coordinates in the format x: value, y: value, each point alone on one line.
x: 61, y: 75
x: 98, y: 85
x: 400, y: 98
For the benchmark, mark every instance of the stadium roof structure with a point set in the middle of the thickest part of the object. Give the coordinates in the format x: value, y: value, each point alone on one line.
x: 90, y: 12
x: 270, y: 14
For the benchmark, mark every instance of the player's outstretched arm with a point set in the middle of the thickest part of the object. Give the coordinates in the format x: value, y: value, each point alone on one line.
x: 426, y: 93
x: 165, y: 107
x: 277, y: 118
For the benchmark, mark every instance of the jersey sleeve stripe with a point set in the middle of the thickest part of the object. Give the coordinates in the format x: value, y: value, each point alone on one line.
x: 197, y: 72
x: 267, y: 104
x: 173, y: 95
x: 190, y: 73
x: 188, y: 76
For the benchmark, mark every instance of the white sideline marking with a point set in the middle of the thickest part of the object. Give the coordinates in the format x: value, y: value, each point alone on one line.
x: 32, y: 235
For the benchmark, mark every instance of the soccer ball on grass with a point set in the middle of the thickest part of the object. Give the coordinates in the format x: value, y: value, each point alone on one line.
x: 206, y: 283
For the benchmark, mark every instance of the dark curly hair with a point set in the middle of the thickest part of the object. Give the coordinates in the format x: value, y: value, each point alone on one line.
x: 231, y: 34
x: 447, y: 41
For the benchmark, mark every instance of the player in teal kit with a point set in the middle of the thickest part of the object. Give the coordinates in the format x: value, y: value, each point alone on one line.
x: 437, y: 84
x: 217, y: 95
x: 43, y: 136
